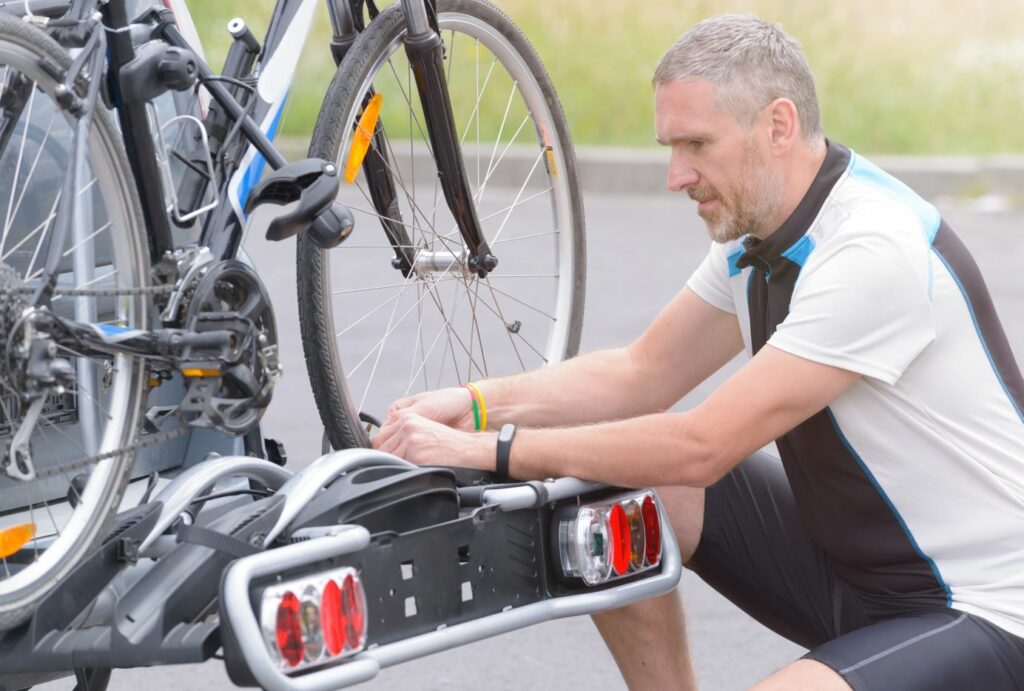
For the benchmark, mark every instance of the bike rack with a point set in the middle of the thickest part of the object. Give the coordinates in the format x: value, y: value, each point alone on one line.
x: 177, y: 495
x: 237, y: 608
x: 305, y: 484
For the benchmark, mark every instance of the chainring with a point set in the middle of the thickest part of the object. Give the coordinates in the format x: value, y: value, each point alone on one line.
x: 230, y: 296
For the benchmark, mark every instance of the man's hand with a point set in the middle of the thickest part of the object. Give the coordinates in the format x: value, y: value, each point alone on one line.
x: 419, y: 440
x: 452, y: 407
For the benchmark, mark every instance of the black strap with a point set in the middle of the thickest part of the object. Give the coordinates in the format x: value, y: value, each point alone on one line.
x: 505, y: 437
x: 205, y: 537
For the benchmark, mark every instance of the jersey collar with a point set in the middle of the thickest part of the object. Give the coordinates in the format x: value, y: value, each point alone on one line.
x: 766, y: 254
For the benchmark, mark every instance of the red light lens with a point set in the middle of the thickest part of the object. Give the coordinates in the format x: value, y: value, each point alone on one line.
x: 354, y: 607
x: 620, y: 539
x: 289, y: 630
x: 652, y: 530
x: 333, y: 617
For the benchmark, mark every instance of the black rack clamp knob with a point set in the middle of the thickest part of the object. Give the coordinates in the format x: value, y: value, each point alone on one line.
x: 156, y: 68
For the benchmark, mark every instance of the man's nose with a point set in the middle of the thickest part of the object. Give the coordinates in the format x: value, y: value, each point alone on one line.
x: 681, y: 174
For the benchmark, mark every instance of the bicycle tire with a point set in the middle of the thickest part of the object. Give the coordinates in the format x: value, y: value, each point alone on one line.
x: 534, y: 95
x: 108, y: 419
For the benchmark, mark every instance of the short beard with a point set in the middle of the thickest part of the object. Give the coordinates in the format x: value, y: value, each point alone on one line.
x: 760, y: 192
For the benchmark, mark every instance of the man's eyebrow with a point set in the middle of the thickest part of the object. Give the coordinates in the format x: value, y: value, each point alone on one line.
x: 683, y: 138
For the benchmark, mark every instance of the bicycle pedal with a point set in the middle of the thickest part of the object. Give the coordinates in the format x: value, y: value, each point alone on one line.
x: 311, y: 184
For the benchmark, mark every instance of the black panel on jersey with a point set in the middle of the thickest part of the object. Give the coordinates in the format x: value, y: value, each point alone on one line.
x: 960, y: 262
x: 847, y: 515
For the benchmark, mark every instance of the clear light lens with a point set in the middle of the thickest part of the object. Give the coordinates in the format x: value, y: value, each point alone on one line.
x: 635, y: 517
x: 312, y: 632
x: 592, y: 545
x: 652, y: 530
x: 333, y: 617
x: 289, y: 630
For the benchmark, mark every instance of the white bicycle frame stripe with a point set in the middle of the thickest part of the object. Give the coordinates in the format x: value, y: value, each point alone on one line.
x: 273, y: 82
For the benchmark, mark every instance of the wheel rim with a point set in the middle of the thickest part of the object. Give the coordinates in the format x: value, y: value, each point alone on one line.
x: 102, y: 252
x: 451, y: 326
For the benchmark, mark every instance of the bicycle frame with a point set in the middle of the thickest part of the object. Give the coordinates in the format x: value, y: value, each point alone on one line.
x: 287, y: 33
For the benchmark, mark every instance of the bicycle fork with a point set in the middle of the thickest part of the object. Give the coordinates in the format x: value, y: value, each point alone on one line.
x: 424, y: 48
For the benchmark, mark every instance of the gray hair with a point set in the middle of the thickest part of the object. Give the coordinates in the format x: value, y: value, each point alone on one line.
x: 751, y: 62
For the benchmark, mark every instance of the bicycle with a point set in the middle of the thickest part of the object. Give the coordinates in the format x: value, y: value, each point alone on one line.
x: 119, y: 338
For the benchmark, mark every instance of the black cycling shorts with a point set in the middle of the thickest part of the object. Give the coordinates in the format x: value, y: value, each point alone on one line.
x: 755, y: 551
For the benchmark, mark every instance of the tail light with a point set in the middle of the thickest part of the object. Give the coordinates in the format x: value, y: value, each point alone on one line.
x: 316, y: 619
x: 608, y: 539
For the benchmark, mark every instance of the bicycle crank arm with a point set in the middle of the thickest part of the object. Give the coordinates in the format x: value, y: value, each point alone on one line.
x: 168, y: 346
x: 424, y: 47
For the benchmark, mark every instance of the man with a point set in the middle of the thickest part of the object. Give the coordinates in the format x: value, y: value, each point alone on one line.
x: 890, y: 539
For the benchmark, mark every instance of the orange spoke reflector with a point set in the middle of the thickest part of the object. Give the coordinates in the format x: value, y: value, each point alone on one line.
x: 364, y: 133
x: 200, y: 372
x: 549, y: 153
x: 14, y: 538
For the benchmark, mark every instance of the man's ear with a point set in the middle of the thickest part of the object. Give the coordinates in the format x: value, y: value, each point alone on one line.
x: 784, y: 124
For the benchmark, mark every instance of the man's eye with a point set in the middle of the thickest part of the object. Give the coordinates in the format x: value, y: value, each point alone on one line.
x: 697, y: 144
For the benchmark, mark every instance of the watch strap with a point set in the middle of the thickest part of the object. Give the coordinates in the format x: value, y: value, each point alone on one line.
x: 505, y: 437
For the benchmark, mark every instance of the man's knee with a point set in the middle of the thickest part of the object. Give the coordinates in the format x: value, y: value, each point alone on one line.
x: 685, y: 509
x: 809, y: 675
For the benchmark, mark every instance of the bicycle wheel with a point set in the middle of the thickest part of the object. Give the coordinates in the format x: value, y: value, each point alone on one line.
x: 106, y: 252
x: 442, y: 324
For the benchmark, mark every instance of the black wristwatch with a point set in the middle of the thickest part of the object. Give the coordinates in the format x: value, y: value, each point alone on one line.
x: 505, y: 437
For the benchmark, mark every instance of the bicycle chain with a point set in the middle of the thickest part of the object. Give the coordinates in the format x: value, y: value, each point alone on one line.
x: 158, y: 438
x: 103, y: 292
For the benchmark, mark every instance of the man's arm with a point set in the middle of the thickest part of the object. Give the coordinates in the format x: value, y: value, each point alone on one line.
x: 770, y: 395
x: 686, y: 343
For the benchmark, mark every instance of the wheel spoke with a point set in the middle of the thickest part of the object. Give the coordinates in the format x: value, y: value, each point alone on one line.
x: 401, y: 344
x: 17, y: 165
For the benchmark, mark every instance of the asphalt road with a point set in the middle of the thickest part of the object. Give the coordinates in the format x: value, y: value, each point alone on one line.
x: 641, y: 250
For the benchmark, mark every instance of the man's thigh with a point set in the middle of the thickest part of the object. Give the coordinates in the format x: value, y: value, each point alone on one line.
x: 938, y: 650
x: 755, y: 551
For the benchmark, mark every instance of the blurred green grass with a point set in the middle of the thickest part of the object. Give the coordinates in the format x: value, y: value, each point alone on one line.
x: 914, y: 77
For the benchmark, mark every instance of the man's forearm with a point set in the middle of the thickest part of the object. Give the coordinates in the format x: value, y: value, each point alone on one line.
x: 658, y: 449
x: 598, y: 386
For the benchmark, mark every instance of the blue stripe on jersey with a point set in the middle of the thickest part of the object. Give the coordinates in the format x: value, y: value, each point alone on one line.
x: 927, y: 214
x: 981, y: 336
x: 800, y: 250
x: 892, y: 507
x: 732, y: 259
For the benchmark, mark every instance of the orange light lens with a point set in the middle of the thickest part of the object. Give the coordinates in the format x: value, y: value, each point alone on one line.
x: 636, y: 534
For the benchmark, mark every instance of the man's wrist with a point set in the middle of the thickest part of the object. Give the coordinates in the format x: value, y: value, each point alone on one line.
x: 484, y: 450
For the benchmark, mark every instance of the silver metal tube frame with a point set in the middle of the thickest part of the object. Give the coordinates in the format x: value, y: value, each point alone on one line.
x: 366, y: 665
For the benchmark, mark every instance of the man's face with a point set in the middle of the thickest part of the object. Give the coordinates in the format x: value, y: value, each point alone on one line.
x: 718, y: 161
